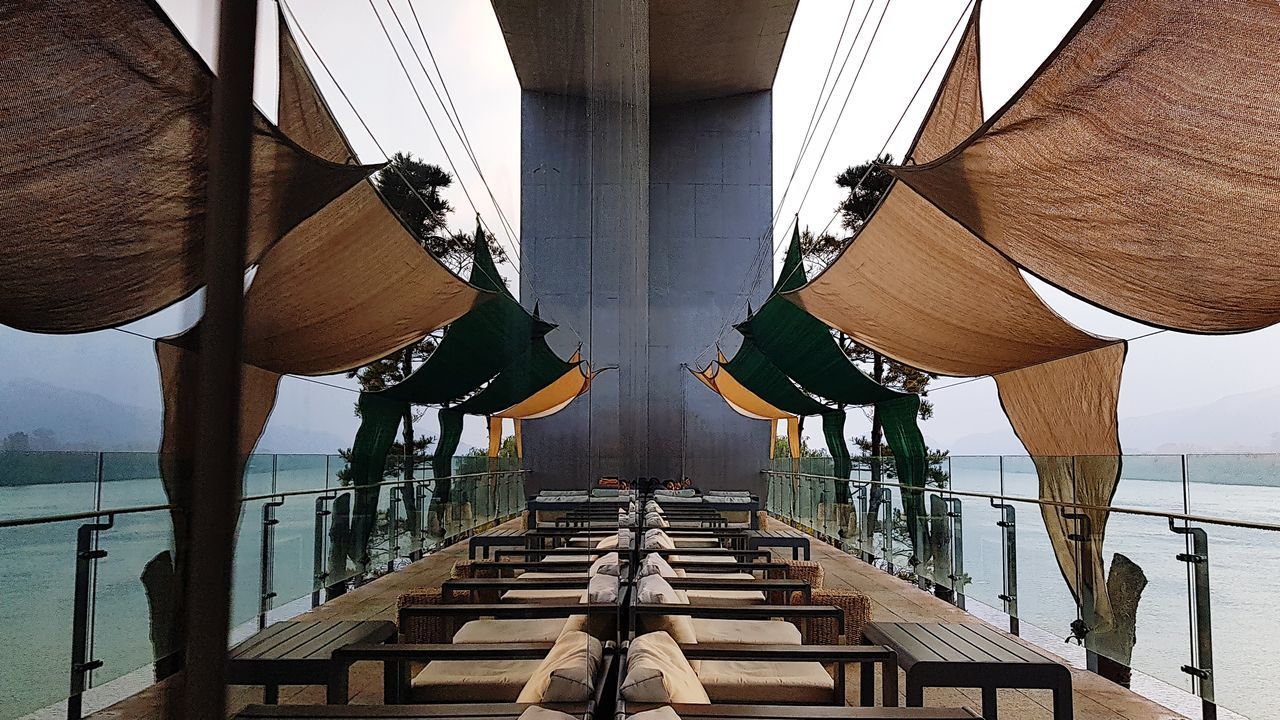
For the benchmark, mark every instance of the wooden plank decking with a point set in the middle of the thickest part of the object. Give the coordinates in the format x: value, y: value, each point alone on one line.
x: 894, y: 599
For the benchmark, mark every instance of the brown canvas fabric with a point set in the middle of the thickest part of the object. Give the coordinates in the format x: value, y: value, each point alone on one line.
x: 957, y: 108
x: 350, y: 284
x: 1139, y: 168
x: 1075, y: 443
x: 920, y: 288
x: 104, y: 154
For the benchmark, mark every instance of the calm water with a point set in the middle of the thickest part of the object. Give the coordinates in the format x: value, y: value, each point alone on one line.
x: 37, y: 569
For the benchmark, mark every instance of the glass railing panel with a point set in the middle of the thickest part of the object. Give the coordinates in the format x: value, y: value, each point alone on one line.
x: 37, y: 568
x: 1139, y: 549
x: 246, y: 576
x: 293, y: 546
x: 139, y: 548
x: 982, y: 550
x: 1242, y: 565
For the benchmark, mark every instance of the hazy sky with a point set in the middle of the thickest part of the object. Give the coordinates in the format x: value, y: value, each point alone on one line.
x: 1163, y: 372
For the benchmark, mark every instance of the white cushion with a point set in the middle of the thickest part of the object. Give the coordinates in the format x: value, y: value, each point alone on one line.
x: 695, y: 541
x: 654, y: 589
x: 654, y: 520
x: 726, y: 559
x: 653, y: 564
x: 567, y: 559
x: 662, y: 713
x: 557, y: 596
x: 602, y: 589
x: 658, y: 672
x: 551, y: 576
x: 651, y: 506
x: 605, y: 565
x: 567, y: 673
x: 533, y: 630
x: 720, y: 576
x: 533, y: 712
x: 726, y: 597
x: 745, y: 632
x: 754, y: 681
x: 468, y: 681
x: 656, y: 539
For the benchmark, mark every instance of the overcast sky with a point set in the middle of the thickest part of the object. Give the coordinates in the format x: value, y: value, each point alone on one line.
x: 1164, y: 372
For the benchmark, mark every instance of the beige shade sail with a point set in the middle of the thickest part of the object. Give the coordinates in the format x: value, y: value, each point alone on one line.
x: 1075, y: 444
x: 104, y: 154
x: 179, y: 383
x: 1138, y: 168
x: 918, y: 287
x: 350, y: 284
x: 921, y: 288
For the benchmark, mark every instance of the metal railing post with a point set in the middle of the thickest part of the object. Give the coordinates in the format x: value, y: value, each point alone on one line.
x: 956, y: 527
x: 1009, y: 596
x: 267, y: 565
x: 886, y: 529
x: 1201, y: 666
x: 319, y: 572
x: 393, y: 547
x: 86, y: 564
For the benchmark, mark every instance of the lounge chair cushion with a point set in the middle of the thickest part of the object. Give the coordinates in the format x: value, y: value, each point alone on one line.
x: 603, y: 589
x: 658, y: 672
x: 655, y: 589
x: 725, y: 559
x: 752, y: 681
x: 730, y: 493
x: 605, y: 565
x: 624, y: 539
x: 695, y: 541
x: 656, y: 539
x: 654, y: 564
x: 551, y: 576
x: 557, y: 596
x: 726, y: 597
x: 532, y: 630
x: 662, y: 713
x: 720, y: 576
x: 468, y: 681
x: 533, y: 712
x: 567, y: 673
x: 744, y: 632
x: 654, y: 520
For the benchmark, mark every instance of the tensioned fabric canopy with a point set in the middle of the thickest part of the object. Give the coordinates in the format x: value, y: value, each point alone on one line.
x: 919, y: 287
x: 1138, y: 168
x: 105, y: 162
x: 345, y: 287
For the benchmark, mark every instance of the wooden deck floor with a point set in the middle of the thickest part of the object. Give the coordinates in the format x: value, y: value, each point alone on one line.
x: 894, y: 599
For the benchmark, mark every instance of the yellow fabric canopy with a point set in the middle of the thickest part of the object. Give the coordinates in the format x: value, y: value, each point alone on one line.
x: 748, y: 404
x: 554, y: 397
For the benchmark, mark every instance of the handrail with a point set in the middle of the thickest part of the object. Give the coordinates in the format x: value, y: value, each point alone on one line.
x: 1244, y: 524
x: 88, y: 514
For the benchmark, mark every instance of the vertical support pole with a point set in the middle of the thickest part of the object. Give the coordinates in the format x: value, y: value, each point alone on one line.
x: 86, y: 563
x: 1201, y: 669
x: 216, y: 482
x: 318, y: 571
x: 955, y: 514
x: 1009, y: 594
x: 393, y: 547
x: 886, y: 528
x: 266, y: 568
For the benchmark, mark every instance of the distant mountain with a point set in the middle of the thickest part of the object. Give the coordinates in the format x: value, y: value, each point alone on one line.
x: 80, y: 420
x: 1244, y: 423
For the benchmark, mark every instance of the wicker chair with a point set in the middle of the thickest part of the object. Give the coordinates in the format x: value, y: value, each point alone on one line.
x: 808, y: 570
x: 857, y: 613
x: 418, y: 628
x: 762, y: 518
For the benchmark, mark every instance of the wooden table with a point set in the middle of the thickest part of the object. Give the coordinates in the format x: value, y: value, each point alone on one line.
x: 960, y: 655
x: 774, y: 538
x: 301, y: 653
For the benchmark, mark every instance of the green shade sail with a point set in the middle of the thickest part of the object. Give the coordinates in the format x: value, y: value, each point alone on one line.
x: 750, y: 367
x: 379, y: 421
x: 478, y: 345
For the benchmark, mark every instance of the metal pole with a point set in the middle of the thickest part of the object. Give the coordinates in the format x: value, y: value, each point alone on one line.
x: 216, y: 481
x: 955, y: 514
x: 266, y: 567
x: 1009, y: 597
x: 318, y: 571
x: 81, y: 665
x: 1202, y: 668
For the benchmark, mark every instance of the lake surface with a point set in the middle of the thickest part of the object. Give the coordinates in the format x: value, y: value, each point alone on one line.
x: 37, y: 569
